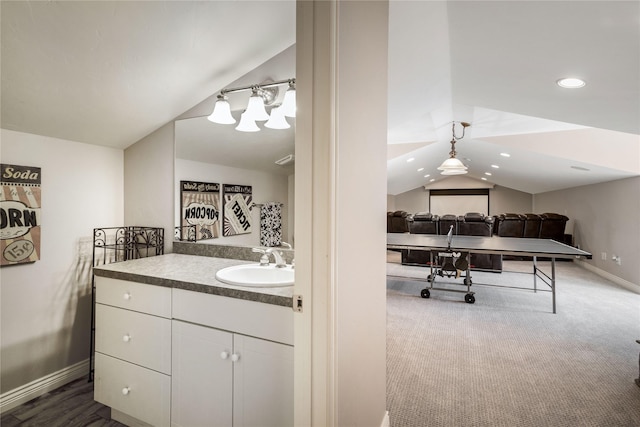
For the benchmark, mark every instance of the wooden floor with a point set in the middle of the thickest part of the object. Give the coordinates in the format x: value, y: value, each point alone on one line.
x: 67, y: 406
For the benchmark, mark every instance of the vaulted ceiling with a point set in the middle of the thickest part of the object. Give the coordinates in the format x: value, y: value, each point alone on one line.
x: 110, y: 73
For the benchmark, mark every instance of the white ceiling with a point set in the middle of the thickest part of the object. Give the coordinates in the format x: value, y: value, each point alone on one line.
x: 110, y: 73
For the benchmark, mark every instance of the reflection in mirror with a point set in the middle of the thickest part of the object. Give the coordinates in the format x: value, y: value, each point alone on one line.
x: 254, y: 170
x: 246, y: 166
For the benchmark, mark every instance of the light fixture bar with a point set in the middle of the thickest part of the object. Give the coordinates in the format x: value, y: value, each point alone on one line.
x: 260, y: 86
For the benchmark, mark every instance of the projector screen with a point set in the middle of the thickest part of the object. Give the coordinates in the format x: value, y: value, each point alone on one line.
x: 443, y: 202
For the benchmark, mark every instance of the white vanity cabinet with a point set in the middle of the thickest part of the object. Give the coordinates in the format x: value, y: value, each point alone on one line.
x: 133, y: 350
x: 224, y: 378
x: 173, y: 357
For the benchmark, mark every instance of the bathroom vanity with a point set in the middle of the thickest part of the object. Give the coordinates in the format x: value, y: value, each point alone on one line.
x: 176, y: 347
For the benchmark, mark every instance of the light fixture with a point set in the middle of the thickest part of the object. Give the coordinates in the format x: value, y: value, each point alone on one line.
x: 222, y: 112
x: 277, y: 119
x: 247, y: 124
x: 262, y: 95
x: 453, y: 166
x: 289, y: 102
x: 255, y: 108
x: 571, y: 83
x: 505, y: 154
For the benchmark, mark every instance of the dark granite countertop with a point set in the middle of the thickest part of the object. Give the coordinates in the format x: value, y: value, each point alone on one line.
x: 192, y: 273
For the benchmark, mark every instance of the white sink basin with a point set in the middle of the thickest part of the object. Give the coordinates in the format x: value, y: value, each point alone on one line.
x: 256, y: 275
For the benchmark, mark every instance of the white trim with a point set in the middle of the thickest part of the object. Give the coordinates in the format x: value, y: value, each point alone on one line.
x: 615, y: 279
x: 385, y: 420
x: 37, y: 388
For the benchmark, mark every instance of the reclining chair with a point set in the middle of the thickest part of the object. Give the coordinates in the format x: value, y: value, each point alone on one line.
x: 552, y: 226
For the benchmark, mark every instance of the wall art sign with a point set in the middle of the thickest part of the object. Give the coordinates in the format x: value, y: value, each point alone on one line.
x: 20, y: 214
x: 200, y: 207
x: 237, y: 209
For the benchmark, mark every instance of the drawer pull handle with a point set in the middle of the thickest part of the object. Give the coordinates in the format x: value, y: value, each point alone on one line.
x: 126, y: 338
x: 235, y: 357
x: 127, y: 295
x: 224, y: 355
x: 126, y: 390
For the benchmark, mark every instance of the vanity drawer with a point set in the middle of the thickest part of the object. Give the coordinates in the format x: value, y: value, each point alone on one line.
x: 149, y: 299
x: 136, y: 391
x: 260, y: 320
x: 135, y: 337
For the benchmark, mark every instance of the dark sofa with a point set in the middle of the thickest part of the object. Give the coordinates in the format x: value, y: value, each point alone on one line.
x: 537, y: 226
x: 470, y: 224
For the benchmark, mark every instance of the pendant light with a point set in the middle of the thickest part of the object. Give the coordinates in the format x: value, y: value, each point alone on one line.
x: 453, y: 166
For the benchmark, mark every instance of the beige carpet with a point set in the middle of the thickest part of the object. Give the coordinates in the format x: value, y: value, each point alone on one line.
x: 507, y: 360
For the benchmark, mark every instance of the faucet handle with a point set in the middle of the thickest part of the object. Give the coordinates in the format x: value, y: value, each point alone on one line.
x: 264, y: 259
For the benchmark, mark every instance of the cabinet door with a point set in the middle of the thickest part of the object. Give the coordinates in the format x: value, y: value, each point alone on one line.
x: 263, y: 383
x: 202, y: 376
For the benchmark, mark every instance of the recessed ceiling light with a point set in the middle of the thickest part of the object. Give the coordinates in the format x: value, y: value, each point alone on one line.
x: 432, y: 179
x: 495, y: 166
x: 410, y: 159
x: 420, y: 170
x: 580, y: 168
x: 427, y: 175
x: 488, y: 173
x: 505, y: 154
x: 571, y: 83
x: 483, y: 178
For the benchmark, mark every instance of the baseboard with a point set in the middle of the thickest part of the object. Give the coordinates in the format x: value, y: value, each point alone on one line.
x: 37, y: 388
x: 385, y: 420
x: 615, y: 279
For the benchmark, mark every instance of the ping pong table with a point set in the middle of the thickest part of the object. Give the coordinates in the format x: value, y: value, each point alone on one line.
x: 448, y: 246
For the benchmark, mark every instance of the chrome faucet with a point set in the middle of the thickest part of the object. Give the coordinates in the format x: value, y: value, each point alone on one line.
x: 277, y: 256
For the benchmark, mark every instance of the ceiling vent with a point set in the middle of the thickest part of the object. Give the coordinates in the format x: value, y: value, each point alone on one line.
x: 285, y: 160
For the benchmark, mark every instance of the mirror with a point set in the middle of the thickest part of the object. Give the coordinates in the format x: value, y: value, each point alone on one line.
x: 208, y: 152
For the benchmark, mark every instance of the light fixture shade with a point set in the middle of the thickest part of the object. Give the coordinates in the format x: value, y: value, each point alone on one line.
x: 453, y: 172
x: 452, y: 166
x: 222, y: 112
x: 255, y: 108
x: 289, y: 102
x: 277, y: 119
x: 247, y: 124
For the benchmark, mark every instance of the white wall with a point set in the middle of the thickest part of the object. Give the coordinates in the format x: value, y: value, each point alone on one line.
x: 266, y: 187
x: 148, y: 175
x: 46, y: 306
x: 412, y: 201
x: 507, y: 200
x: 603, y: 218
x: 501, y: 200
